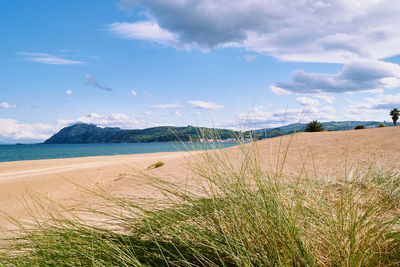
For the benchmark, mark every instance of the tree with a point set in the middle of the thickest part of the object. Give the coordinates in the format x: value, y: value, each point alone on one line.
x: 395, y: 113
x: 359, y: 127
x: 381, y: 125
x: 314, y: 126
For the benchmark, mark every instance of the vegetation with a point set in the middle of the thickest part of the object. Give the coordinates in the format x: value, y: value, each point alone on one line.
x: 156, y: 165
x: 300, y: 127
x: 88, y: 133
x: 242, y: 215
x: 381, y: 125
x: 314, y: 126
x: 359, y: 127
x: 395, y: 113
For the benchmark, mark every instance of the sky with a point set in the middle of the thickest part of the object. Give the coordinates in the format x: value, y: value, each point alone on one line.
x: 231, y: 64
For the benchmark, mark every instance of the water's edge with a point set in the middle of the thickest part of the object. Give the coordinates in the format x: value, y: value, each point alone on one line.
x: 17, y: 152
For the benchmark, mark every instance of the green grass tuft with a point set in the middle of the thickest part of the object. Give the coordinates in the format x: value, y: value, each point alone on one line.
x: 156, y: 165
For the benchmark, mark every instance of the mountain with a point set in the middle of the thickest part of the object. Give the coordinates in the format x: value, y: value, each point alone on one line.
x: 82, y: 133
x: 88, y: 133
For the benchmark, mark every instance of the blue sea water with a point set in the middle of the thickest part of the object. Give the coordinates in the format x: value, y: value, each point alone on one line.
x: 41, y: 151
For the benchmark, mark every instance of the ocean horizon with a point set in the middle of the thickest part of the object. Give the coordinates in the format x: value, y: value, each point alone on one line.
x: 20, y: 152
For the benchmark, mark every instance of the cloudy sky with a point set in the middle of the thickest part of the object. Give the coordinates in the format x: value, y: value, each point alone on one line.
x: 220, y: 63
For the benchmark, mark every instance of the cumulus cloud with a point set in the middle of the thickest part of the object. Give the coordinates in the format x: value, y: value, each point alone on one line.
x: 326, y: 98
x: 133, y: 92
x: 68, y: 92
x: 250, y: 58
x: 144, y: 30
x: 176, y: 113
x: 48, y: 59
x: 93, y: 82
x: 306, y: 101
x: 328, y: 109
x: 382, y: 102
x: 259, y: 118
x: 111, y: 120
x: 165, y: 106
x: 14, y: 131
x: 362, y: 75
x: 5, y: 105
x: 309, y: 30
x: 206, y: 105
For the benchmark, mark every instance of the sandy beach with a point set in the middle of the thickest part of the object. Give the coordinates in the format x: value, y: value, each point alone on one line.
x: 326, y: 154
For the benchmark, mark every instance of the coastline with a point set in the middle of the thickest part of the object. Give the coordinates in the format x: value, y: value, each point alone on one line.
x: 11, y: 153
x: 325, y: 155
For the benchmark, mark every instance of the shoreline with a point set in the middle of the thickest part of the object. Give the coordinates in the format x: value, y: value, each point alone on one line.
x: 325, y: 155
x: 67, y: 164
x: 101, y: 150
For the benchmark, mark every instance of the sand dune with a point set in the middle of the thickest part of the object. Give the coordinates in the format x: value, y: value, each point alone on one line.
x: 313, y: 154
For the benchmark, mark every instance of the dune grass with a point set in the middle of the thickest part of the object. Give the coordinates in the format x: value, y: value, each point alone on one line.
x: 239, y: 215
x: 158, y: 164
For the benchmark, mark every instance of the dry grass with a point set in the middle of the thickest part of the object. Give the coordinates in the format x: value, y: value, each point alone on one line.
x: 239, y: 215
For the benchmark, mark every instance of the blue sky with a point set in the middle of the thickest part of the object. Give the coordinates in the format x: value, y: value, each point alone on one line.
x: 232, y: 64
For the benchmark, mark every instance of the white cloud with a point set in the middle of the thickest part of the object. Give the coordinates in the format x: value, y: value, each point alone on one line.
x: 176, y: 113
x: 362, y: 75
x: 110, y: 120
x: 258, y: 118
x: 206, y: 105
x: 13, y: 131
x: 328, y: 99
x: 250, y: 58
x: 278, y: 91
x: 382, y: 102
x: 5, y: 105
x: 306, y: 101
x: 93, y: 82
x: 165, y: 106
x: 133, y: 92
x: 49, y: 59
x: 68, y: 92
x: 144, y: 30
x: 328, y: 109
x: 309, y: 30
x: 146, y: 93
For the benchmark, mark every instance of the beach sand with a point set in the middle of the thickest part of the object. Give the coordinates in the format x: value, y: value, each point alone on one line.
x: 317, y: 155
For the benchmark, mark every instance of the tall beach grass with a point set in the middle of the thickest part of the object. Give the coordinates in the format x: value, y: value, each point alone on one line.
x: 238, y: 214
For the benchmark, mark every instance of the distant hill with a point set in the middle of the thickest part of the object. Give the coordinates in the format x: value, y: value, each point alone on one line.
x: 82, y: 133
x: 88, y: 133
x: 328, y: 126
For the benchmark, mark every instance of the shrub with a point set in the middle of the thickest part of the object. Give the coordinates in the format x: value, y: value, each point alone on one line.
x: 381, y: 125
x: 314, y: 126
x: 359, y: 127
x: 156, y: 165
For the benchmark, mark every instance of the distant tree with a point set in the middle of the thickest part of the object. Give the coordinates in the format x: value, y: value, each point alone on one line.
x: 381, y: 125
x: 314, y: 126
x: 395, y: 113
x: 359, y: 127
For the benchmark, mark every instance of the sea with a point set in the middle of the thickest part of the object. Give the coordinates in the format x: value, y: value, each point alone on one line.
x: 41, y: 151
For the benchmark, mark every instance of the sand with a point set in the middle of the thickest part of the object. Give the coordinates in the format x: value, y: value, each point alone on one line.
x: 325, y: 154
